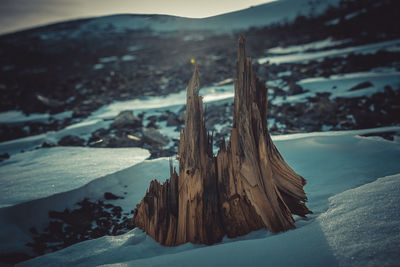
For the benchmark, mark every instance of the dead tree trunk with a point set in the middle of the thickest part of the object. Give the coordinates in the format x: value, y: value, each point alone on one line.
x: 246, y: 187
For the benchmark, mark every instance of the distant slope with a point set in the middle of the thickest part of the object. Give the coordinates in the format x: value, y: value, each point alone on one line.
x: 256, y: 16
x: 261, y: 15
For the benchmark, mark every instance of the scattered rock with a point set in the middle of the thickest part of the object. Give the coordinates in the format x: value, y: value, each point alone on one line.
x: 386, y: 135
x: 49, y: 102
x: 4, y: 156
x: 154, y: 137
x: 126, y: 119
x: 71, y: 140
x: 110, y: 196
x: 295, y: 89
x: 46, y: 144
x: 173, y: 120
x: 90, y: 220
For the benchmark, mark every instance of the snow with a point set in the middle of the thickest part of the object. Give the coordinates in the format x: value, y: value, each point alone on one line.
x: 362, y: 225
x: 332, y: 22
x: 44, y: 172
x: 332, y: 162
x: 340, y: 85
x: 16, y: 116
x: 317, y: 55
x: 257, y: 16
x: 210, y: 94
x: 128, y: 58
x: 108, y: 59
x: 302, y: 48
x: 98, y: 66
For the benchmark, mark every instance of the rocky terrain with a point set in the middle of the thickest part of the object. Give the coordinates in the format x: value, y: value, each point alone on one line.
x: 52, y: 70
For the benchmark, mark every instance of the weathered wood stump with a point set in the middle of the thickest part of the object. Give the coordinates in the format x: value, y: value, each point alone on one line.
x: 246, y: 187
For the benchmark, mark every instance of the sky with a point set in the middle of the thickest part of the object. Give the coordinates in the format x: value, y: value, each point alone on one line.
x: 22, y: 14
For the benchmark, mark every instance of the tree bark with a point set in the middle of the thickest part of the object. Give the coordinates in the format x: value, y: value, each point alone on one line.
x: 246, y: 187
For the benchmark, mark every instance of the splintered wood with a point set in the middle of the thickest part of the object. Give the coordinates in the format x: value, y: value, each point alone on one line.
x: 246, y: 187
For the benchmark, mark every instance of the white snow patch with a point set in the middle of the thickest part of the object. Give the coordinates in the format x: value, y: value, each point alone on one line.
x: 339, y: 85
x: 128, y: 58
x: 44, y: 172
x: 307, y: 56
x: 332, y: 22
x: 302, y: 48
x: 16, y: 116
x: 210, y: 94
x: 108, y: 59
x: 98, y: 66
x: 134, y: 48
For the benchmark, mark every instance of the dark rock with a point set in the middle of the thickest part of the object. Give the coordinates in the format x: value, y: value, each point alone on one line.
x: 13, y: 258
x: 152, y: 122
x: 173, y: 120
x: 386, y: 135
x: 126, y: 119
x: 295, y: 89
x: 154, y: 137
x: 4, y: 156
x: 45, y: 145
x: 110, y: 196
x: 71, y: 140
x: 53, y: 103
x: 33, y: 230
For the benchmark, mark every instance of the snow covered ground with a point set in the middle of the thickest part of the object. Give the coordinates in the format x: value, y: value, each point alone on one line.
x: 355, y: 220
x: 262, y: 15
x: 354, y: 200
x: 45, y: 172
x: 103, y: 117
x: 298, y: 53
x: 341, y: 85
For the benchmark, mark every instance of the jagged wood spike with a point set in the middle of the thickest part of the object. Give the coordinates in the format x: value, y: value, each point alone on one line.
x: 246, y: 187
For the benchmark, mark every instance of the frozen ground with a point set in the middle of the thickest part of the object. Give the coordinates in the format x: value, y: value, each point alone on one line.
x: 45, y: 172
x: 103, y: 117
x: 341, y: 85
x: 346, y: 227
x: 299, y: 53
x: 355, y: 220
x: 261, y: 15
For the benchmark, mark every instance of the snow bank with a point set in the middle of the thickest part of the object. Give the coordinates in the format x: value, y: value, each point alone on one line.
x: 360, y: 228
x: 362, y: 225
x: 44, y: 172
x: 331, y: 163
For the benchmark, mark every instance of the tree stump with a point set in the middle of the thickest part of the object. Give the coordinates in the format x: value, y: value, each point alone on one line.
x: 246, y: 187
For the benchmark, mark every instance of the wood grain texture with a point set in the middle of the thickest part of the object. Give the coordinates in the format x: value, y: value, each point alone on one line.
x: 246, y: 187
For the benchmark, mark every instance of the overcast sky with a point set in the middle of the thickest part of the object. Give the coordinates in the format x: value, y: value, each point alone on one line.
x: 22, y: 14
